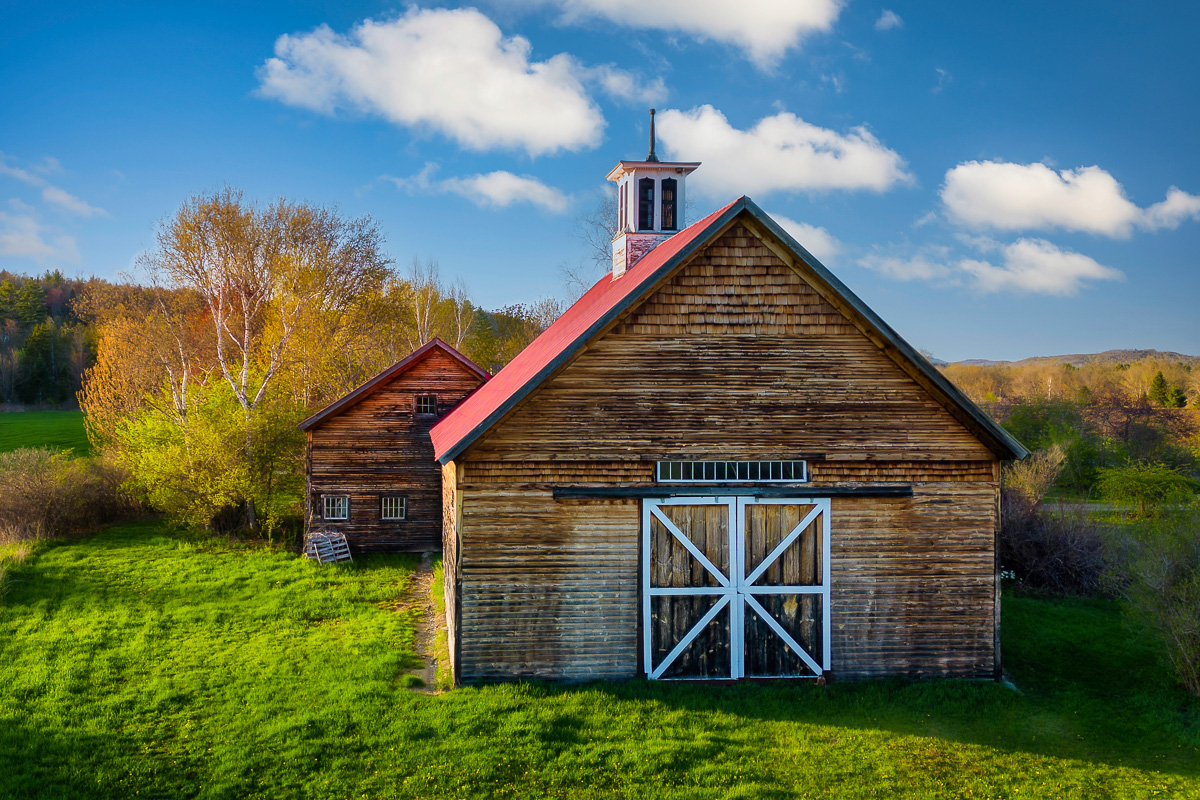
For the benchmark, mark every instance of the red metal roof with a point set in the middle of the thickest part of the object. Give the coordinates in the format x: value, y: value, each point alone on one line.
x: 401, y: 366
x: 578, y: 323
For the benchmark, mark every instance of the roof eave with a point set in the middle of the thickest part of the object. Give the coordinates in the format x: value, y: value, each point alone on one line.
x: 686, y: 167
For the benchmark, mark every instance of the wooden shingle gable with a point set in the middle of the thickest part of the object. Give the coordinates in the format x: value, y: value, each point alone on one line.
x: 359, y: 394
x: 610, y: 301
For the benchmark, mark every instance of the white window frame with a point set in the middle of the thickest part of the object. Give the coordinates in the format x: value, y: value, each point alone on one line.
x: 383, y: 509
x: 674, y: 471
x: 417, y: 398
x: 326, y: 500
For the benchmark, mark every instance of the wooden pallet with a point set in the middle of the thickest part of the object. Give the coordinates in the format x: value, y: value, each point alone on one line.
x: 327, y: 547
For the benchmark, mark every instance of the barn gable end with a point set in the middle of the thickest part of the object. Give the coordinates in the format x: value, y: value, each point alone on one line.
x: 374, y: 444
x: 743, y: 348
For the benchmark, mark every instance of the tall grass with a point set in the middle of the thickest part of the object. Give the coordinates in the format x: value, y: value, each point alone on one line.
x: 48, y: 494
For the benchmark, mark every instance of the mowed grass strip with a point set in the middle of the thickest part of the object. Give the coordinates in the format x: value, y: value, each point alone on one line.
x: 145, y: 662
x: 58, y: 430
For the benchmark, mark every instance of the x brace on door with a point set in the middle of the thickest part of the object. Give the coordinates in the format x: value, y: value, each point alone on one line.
x: 736, y: 590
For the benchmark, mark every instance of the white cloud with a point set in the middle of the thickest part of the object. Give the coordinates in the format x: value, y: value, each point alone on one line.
x: 69, y: 202
x: 1026, y: 265
x: 627, y: 87
x: 836, y: 82
x: 818, y: 241
x: 888, y: 20
x: 763, y: 29
x: 24, y: 176
x: 1008, y: 196
x: 780, y: 153
x: 923, y: 267
x: 22, y: 237
x: 943, y: 79
x: 1037, y: 266
x: 449, y: 70
x: 502, y: 189
x: 499, y: 189
x: 51, y: 194
x: 1178, y: 207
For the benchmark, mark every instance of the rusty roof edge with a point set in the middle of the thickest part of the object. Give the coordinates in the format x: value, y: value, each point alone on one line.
x: 354, y: 396
x: 1017, y: 450
x: 701, y: 239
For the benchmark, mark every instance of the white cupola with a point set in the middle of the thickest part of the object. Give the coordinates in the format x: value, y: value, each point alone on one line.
x: 649, y: 204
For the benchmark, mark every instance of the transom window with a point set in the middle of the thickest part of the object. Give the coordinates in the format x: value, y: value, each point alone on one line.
x: 335, y: 506
x: 726, y: 471
x: 392, y: 507
x: 426, y: 404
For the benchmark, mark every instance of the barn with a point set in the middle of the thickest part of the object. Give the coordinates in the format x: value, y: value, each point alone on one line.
x: 718, y: 464
x: 369, y: 466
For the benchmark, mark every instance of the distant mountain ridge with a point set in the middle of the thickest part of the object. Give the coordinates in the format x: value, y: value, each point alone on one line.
x: 1079, y: 359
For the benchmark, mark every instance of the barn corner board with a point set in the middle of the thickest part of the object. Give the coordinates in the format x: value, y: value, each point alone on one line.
x: 718, y: 464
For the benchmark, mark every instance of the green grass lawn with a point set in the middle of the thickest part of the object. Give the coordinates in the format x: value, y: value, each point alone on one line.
x: 61, y: 430
x: 144, y: 662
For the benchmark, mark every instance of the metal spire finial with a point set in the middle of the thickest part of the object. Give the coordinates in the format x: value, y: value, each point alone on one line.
x: 652, y: 157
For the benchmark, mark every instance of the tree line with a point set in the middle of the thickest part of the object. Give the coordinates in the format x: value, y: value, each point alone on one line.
x: 44, y: 346
x: 1102, y: 416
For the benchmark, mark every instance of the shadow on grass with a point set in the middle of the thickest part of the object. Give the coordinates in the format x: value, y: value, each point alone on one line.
x: 43, y: 761
x: 1071, y: 726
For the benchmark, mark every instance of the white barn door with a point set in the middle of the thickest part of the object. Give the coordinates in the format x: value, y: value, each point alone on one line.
x: 735, y: 587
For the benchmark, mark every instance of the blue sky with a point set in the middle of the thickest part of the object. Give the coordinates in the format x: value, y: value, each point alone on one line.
x: 996, y: 180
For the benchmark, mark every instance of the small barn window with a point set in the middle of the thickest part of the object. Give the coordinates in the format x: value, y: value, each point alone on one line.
x: 668, y: 204
x: 425, y: 404
x: 335, y: 506
x: 392, y: 507
x: 646, y: 204
x: 732, y: 471
x: 621, y: 209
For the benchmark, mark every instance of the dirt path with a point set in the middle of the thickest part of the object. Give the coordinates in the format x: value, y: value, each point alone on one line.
x: 420, y: 602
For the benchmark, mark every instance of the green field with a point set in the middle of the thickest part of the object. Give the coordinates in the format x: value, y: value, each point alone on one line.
x: 152, y: 663
x: 61, y: 430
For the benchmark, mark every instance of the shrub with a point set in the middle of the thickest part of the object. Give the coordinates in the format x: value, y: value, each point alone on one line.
x: 1147, y: 487
x: 48, y: 494
x: 1059, y: 551
x: 197, y: 468
x: 1161, y: 572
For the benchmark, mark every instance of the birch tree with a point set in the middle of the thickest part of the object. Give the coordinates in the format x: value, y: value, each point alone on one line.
x: 258, y: 270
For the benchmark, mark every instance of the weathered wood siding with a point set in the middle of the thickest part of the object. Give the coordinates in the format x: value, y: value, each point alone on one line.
x: 548, y: 589
x: 381, y: 447
x: 735, y: 357
x: 913, y: 589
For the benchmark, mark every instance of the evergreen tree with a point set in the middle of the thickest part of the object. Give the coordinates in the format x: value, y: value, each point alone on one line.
x: 44, y: 366
x: 1158, y: 389
x: 30, y: 304
x: 8, y: 300
x: 1176, y: 398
